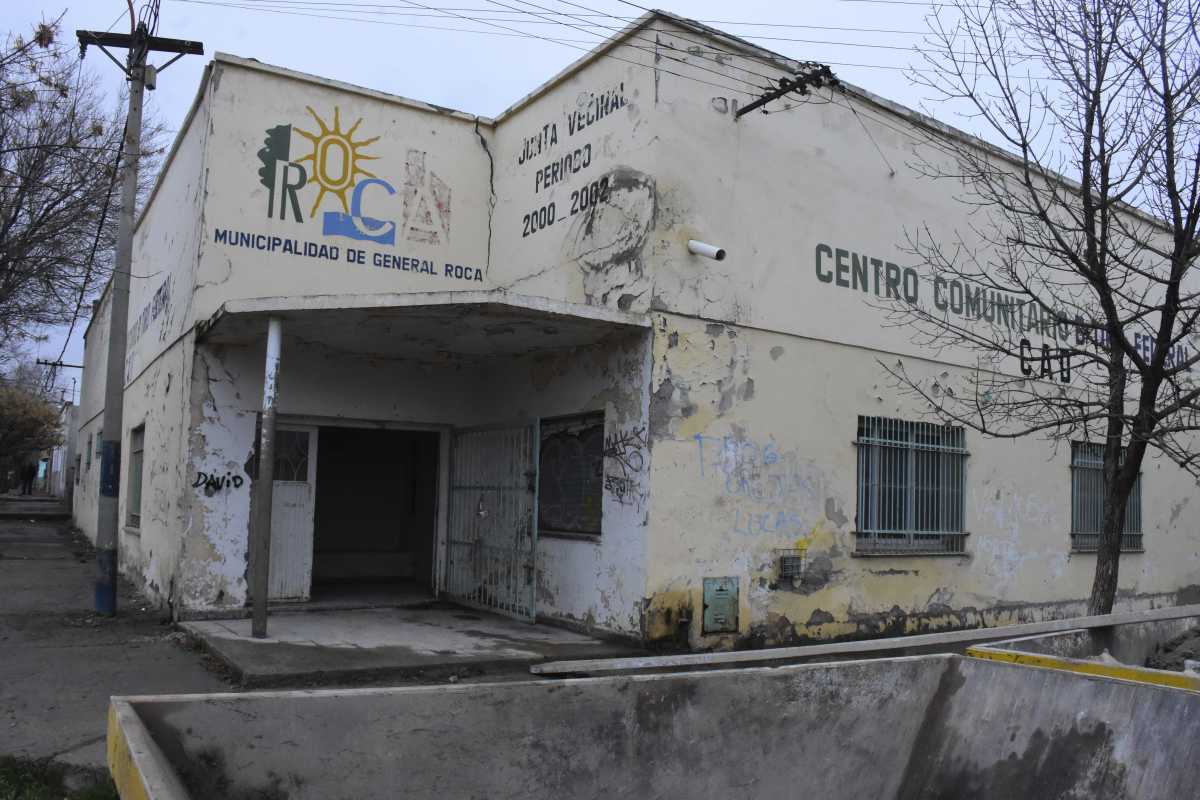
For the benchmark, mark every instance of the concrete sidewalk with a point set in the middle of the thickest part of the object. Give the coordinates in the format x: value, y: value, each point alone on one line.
x: 32, y: 508
x: 59, y: 663
x: 436, y: 642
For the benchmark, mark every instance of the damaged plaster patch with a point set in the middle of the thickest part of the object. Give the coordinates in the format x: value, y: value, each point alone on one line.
x: 608, y: 239
x: 700, y: 376
x: 834, y: 513
x: 776, y: 352
x: 1177, y: 509
x: 819, y: 617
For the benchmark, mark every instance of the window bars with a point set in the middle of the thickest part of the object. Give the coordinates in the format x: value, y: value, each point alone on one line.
x: 1087, y: 501
x: 137, y: 447
x: 911, y: 487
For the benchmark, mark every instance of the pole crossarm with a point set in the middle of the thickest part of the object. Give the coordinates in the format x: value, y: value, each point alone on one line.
x: 811, y: 75
x: 161, y: 44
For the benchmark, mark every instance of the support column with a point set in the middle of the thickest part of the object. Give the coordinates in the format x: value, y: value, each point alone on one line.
x: 264, y: 485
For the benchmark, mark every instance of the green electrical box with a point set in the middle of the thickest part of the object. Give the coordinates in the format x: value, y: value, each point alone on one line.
x: 720, y: 605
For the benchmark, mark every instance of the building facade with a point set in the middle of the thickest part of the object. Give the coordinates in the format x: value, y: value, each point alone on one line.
x: 505, y: 378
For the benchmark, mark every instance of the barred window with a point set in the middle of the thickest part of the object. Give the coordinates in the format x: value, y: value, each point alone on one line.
x: 1087, y: 501
x: 137, y: 447
x: 571, y: 475
x: 911, y: 487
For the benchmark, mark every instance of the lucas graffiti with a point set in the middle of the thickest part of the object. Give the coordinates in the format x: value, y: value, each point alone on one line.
x: 774, y: 491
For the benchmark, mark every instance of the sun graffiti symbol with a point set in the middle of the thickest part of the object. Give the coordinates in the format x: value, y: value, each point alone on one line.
x: 335, y: 158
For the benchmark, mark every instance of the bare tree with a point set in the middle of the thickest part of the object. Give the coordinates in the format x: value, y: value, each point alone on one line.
x: 59, y: 149
x: 1077, y: 294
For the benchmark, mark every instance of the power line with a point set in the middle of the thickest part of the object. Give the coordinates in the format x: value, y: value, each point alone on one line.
x: 291, y: 8
x: 512, y: 31
x: 95, y: 245
x: 404, y: 10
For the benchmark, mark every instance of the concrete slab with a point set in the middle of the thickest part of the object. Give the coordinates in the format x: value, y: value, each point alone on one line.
x: 32, y: 508
x: 938, y: 726
x: 60, y: 663
x: 335, y: 645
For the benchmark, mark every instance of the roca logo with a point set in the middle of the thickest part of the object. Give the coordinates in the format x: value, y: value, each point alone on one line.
x: 333, y: 166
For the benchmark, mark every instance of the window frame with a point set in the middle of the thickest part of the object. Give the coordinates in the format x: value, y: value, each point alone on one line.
x: 1087, y: 458
x: 910, y: 488
x: 585, y: 420
x: 137, y: 466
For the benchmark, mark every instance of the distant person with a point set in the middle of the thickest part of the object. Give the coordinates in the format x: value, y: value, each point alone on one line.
x: 28, y: 473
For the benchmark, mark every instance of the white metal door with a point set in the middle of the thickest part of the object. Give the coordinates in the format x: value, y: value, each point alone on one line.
x: 492, y: 541
x: 292, y: 507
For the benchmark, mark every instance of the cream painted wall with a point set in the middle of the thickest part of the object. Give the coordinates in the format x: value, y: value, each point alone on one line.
x: 159, y: 398
x: 594, y: 584
x: 757, y: 350
x: 576, y: 199
x: 763, y: 460
x: 166, y: 247
x: 434, y: 205
x: 91, y: 407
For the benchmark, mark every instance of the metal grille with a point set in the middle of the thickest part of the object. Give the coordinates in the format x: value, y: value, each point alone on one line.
x: 137, y: 447
x: 1087, y: 501
x: 492, y: 541
x: 911, y: 482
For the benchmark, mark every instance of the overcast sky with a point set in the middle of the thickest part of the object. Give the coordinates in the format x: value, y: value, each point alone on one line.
x: 478, y: 66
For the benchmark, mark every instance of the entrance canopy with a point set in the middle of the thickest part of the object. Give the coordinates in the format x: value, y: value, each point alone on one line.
x: 418, y: 325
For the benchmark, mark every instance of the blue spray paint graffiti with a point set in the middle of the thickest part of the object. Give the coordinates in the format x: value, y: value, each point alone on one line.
x: 777, y: 488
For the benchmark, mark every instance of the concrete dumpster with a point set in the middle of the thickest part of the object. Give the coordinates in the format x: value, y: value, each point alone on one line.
x: 935, y: 726
x: 1117, y: 651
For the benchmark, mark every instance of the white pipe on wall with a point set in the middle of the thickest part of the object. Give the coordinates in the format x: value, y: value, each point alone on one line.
x: 707, y: 250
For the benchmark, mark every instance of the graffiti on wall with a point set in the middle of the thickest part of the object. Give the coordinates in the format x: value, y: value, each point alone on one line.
x: 624, y: 460
x: 774, y: 491
x: 213, y: 482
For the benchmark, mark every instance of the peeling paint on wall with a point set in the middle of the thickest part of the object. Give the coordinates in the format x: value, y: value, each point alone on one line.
x: 608, y: 240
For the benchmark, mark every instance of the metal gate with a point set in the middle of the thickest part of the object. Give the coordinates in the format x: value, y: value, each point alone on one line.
x: 492, y: 541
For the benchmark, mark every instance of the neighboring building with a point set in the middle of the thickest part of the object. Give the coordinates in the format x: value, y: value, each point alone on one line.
x: 505, y: 379
x: 61, y: 459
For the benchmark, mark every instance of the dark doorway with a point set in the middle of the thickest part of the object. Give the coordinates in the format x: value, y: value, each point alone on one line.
x: 375, y: 514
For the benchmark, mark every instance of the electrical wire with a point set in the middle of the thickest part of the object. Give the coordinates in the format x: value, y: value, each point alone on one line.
x: 512, y: 31
x: 87, y: 275
x: 403, y: 10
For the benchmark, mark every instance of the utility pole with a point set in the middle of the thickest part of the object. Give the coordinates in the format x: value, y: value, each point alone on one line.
x: 139, y: 43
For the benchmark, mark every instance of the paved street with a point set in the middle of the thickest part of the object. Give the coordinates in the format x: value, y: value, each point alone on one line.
x: 59, y: 663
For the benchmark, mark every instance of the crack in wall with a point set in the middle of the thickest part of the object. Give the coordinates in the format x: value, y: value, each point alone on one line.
x: 492, y: 200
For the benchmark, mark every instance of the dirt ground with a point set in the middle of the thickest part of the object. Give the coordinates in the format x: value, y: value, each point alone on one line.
x: 1172, y: 653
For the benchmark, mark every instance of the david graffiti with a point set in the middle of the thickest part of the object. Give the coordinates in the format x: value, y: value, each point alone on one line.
x: 212, y: 483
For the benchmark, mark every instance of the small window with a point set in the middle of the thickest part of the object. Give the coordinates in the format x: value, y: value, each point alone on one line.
x: 911, y: 488
x: 571, y: 475
x: 291, y: 455
x: 1087, y: 501
x: 88, y: 452
x: 137, y: 444
x: 78, y: 460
